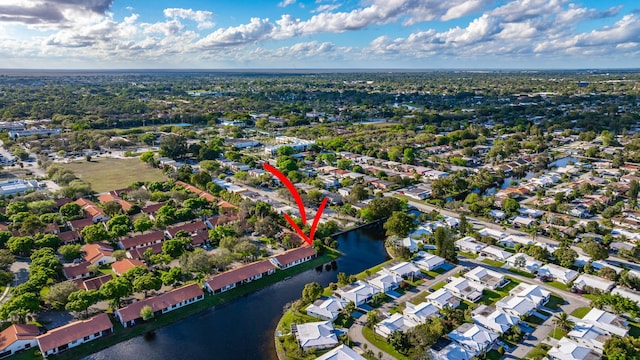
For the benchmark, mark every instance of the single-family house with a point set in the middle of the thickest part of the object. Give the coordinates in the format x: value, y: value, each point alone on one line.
x: 587, y: 282
x: 511, y: 241
x: 443, y: 298
x: 142, y: 240
x: 92, y: 210
x: 611, y: 323
x: 326, y: 308
x: 521, y: 221
x: 396, y: 322
x: 497, y: 214
x: 123, y: 265
x: 77, y: 271
x: 70, y: 237
x: 98, y: 253
x: 469, y: 244
x: 421, y: 312
x: 190, y: 228
x: 589, y: 335
x: 486, y: 278
x: 567, y: 349
x: 341, y: 352
x: 428, y: 261
x: 96, y: 282
x: 161, y: 304
x: 232, y: 278
x: 516, y: 306
x: 492, y: 233
x: 495, y: 320
x: 495, y: 252
x: 293, y: 257
x: 453, y: 351
x: 557, y: 273
x: 524, y: 262
x: 534, y: 293
x: 138, y: 253
x: 74, y: 334
x: 18, y: 337
x: 385, y: 280
x: 359, y: 292
x: 473, y: 337
x: 626, y: 293
x: 404, y: 269
x: 465, y: 289
x: 316, y: 335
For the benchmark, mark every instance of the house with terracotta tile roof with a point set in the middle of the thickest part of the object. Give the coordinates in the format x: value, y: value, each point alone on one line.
x: 138, y: 253
x: 77, y: 271
x: 293, y: 257
x: 190, y: 228
x: 80, y: 224
x: 121, y: 266
x: 152, y: 209
x: 142, y: 240
x: 69, y: 237
x: 218, y: 220
x: 96, y: 282
x: 108, y: 197
x: 195, y: 190
x: 74, y: 334
x: 18, y: 337
x: 161, y: 304
x: 238, y: 276
x: 98, y: 253
x: 94, y: 211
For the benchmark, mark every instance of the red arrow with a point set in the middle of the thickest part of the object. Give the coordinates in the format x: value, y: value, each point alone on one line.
x: 301, y: 209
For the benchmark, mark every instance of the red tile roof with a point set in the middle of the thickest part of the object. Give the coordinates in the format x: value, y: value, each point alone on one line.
x: 153, y: 208
x: 94, y: 252
x: 226, y: 278
x: 142, y: 239
x: 74, y: 270
x: 294, y: 255
x: 74, y: 331
x: 97, y: 282
x: 90, y: 207
x: 81, y: 223
x: 137, y: 253
x: 195, y: 190
x: 17, y: 332
x: 105, y: 198
x: 188, y: 227
x: 161, y: 302
x: 69, y: 236
x: 223, y: 219
x: 199, y: 238
x: 121, y: 266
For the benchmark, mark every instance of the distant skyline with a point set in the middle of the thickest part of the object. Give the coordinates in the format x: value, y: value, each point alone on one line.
x: 290, y: 34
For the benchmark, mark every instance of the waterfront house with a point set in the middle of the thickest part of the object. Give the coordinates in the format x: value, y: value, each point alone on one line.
x: 465, y: 289
x: 396, y: 322
x: 385, y: 281
x: 359, y: 292
x: 326, y: 308
x: 74, y: 334
x: 486, y: 278
x: 341, y: 352
x: 18, y: 337
x: 238, y: 276
x: 493, y: 319
x: 98, y: 253
x: 161, y: 304
x: 443, y: 298
x: 316, y: 335
x: 293, y: 257
x: 557, y: 273
x: 428, y: 261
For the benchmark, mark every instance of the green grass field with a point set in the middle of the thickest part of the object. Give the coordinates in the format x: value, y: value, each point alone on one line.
x: 108, y: 174
x: 580, y: 312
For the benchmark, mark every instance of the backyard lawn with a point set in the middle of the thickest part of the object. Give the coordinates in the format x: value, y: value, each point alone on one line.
x: 554, y: 302
x: 580, y: 312
x: 106, y: 174
x: 558, y: 285
x: 493, y: 262
x: 539, y: 352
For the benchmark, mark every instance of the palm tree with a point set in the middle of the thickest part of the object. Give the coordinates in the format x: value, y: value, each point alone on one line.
x: 563, y: 322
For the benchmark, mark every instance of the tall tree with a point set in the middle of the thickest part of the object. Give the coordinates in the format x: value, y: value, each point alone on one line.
x: 445, y: 246
x: 399, y: 224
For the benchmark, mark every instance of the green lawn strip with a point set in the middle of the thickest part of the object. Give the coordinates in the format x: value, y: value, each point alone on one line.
x: 533, y: 320
x: 557, y: 333
x: 559, y: 285
x: 439, y: 285
x: 493, y: 355
x: 365, y: 274
x: 590, y: 296
x: 522, y: 273
x: 580, y: 312
x: 539, y: 352
x: 381, y: 343
x: 421, y: 297
x: 468, y: 255
x: 493, y: 262
x: 122, y: 334
x: 554, y: 302
x: 634, y: 329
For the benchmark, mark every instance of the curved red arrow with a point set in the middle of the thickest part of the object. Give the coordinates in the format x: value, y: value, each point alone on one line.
x: 301, y: 209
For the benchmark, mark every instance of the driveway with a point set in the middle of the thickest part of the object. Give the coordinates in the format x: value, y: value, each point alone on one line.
x: 20, y: 269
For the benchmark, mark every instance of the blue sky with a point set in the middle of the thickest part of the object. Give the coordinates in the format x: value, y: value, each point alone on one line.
x: 422, y: 34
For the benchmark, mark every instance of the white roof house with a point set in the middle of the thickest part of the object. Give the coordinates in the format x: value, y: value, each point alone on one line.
x: 516, y: 306
x: 359, y: 292
x: 512, y: 240
x: 496, y: 234
x: 607, y: 321
x: 341, y: 352
x: 535, y: 293
x: 421, y: 312
x: 469, y: 244
x: 600, y: 264
x: 567, y: 349
x: 558, y: 273
x: 443, y: 298
x: 626, y: 293
x: 588, y: 335
x: 396, y: 322
x: 486, y: 277
x: 495, y: 253
x: 497, y: 214
x: 428, y: 261
x: 522, y: 221
x: 385, y: 281
x: 404, y: 269
x: 473, y: 337
x: 410, y: 244
x: 316, y: 335
x: 594, y: 282
x: 493, y: 319
x: 326, y: 309
x: 453, y: 351
x: 465, y: 289
x: 531, y: 264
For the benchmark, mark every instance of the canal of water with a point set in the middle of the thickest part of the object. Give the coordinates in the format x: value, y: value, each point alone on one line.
x: 244, y: 328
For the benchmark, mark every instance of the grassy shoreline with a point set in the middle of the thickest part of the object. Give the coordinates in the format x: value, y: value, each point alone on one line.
x: 122, y: 334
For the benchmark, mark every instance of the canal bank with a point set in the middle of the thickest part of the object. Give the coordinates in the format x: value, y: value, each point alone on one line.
x: 242, y: 328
